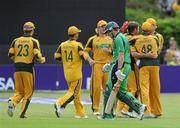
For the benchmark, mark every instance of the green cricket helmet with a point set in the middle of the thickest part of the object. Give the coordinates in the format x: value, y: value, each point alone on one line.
x: 110, y: 26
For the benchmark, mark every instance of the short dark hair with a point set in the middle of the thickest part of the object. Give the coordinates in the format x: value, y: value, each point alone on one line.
x: 132, y: 25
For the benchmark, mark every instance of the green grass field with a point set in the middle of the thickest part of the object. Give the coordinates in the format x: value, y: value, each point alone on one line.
x: 42, y: 115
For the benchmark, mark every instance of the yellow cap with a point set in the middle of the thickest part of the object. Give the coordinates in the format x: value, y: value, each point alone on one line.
x: 73, y: 30
x: 146, y: 26
x: 152, y: 21
x: 28, y: 26
x: 101, y: 23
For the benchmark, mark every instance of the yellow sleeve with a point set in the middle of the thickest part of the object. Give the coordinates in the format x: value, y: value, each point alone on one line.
x: 132, y: 43
x: 11, y: 50
x: 158, y: 43
x: 57, y: 54
x: 37, y: 51
x: 82, y: 52
x: 38, y: 45
x: 156, y: 46
x: 161, y: 41
x: 89, y: 44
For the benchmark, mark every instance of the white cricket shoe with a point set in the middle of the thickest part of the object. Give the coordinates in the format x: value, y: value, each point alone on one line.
x: 96, y: 113
x: 141, y: 111
x: 10, y: 108
x: 128, y: 114
x: 58, y: 110
x: 81, y: 117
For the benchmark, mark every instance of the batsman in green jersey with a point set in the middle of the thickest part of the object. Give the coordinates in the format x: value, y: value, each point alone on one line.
x: 119, y: 70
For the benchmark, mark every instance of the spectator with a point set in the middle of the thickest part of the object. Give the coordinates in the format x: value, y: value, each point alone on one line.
x: 172, y: 56
x: 176, y: 6
x: 166, y: 7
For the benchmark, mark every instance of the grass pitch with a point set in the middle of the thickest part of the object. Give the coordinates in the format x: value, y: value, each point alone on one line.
x: 43, y: 116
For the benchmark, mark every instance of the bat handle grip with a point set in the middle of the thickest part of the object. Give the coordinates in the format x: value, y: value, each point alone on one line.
x: 116, y: 86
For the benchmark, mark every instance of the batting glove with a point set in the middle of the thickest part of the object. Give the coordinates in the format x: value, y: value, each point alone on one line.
x: 120, y: 75
x: 106, y: 67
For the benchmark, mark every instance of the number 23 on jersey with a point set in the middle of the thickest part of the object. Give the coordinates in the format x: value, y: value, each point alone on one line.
x: 23, y: 50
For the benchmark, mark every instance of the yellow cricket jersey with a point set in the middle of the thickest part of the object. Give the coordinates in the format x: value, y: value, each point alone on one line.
x: 96, y: 44
x: 145, y: 44
x: 160, y: 40
x: 70, y: 52
x: 129, y: 38
x: 23, y: 51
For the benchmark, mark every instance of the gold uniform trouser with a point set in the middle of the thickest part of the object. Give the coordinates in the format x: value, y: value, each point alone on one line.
x: 73, y: 93
x: 98, y: 82
x: 131, y: 87
x: 24, y: 87
x: 150, y: 89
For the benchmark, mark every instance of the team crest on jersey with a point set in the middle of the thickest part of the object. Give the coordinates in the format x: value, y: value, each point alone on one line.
x: 103, y: 46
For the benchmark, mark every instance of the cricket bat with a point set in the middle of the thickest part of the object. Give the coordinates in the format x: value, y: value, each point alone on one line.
x: 136, y: 73
x: 112, y: 97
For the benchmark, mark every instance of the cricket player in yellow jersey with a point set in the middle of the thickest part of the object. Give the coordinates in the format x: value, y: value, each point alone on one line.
x: 71, y: 54
x: 158, y: 35
x: 155, y: 98
x: 23, y: 51
x: 146, y: 50
x: 101, y: 47
x: 133, y: 78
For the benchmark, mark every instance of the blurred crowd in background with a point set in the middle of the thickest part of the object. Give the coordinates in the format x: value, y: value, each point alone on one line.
x: 172, y: 53
x: 169, y: 7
